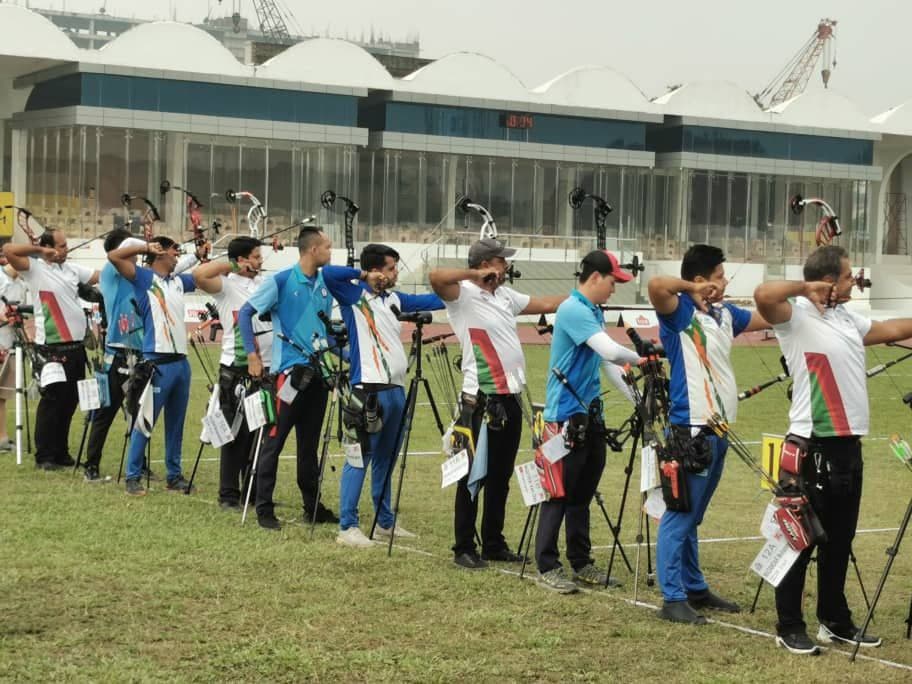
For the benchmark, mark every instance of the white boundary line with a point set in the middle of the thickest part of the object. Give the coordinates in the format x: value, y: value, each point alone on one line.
x: 637, y: 604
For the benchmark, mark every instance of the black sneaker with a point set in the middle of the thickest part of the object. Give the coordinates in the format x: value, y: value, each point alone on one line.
x: 470, y: 560
x: 179, y: 484
x: 269, y: 522
x: 230, y: 505
x: 709, y: 600
x: 680, y: 612
x: 504, y: 555
x: 150, y: 475
x: 134, y: 488
x: 798, y: 643
x: 48, y: 465
x: 324, y: 515
x: 835, y: 634
x: 92, y: 476
x: 66, y: 462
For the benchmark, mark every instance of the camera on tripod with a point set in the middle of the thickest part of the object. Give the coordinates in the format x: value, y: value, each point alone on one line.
x: 416, y: 317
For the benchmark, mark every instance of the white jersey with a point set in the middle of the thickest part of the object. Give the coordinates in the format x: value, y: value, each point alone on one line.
x: 826, y: 356
x: 59, y: 317
x: 485, y: 324
x: 235, y: 292
x: 13, y: 291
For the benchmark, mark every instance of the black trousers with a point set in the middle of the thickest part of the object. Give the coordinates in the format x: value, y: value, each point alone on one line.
x: 103, y: 418
x: 57, y: 405
x: 502, y: 447
x: 305, y: 415
x: 583, y: 468
x: 236, y: 454
x: 835, y: 464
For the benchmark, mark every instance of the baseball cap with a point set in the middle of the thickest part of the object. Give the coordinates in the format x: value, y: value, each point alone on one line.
x: 605, y: 262
x: 488, y: 248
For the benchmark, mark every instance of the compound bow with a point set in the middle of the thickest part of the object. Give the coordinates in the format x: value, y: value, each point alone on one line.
x: 328, y: 200
x: 488, y: 230
x: 195, y: 216
x: 148, y: 218
x: 255, y: 215
x: 27, y: 222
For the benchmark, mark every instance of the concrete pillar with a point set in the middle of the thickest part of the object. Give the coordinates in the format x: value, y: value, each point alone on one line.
x: 451, y: 192
x: 19, y: 173
x: 176, y: 169
x: 3, y: 179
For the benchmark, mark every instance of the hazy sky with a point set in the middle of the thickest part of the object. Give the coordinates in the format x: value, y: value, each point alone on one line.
x: 655, y: 43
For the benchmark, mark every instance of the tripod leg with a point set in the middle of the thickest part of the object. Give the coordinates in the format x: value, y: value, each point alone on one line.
x: 253, y: 468
x: 864, y: 593
x: 28, y: 427
x: 85, y: 433
x: 324, y: 453
x: 614, y: 532
x: 891, y: 556
x: 525, y: 552
x: 20, y: 393
x: 650, y: 573
x: 387, y: 485
x: 149, y: 463
x: 636, y: 573
x: 522, y: 538
x: 427, y: 387
x: 909, y: 620
x: 199, y: 453
x: 756, y: 596
x: 628, y: 471
x: 403, y: 455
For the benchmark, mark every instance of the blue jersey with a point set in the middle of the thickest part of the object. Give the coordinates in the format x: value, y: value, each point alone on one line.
x: 125, y: 330
x: 375, y: 350
x: 698, y: 346
x: 295, y: 301
x: 577, y: 320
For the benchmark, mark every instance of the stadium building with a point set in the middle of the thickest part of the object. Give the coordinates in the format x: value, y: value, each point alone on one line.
x: 80, y: 126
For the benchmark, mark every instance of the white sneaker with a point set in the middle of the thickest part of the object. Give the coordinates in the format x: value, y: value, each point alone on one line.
x: 401, y: 532
x: 354, y: 538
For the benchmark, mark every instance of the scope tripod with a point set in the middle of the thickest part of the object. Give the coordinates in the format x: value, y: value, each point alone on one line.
x: 405, y: 430
x: 891, y: 552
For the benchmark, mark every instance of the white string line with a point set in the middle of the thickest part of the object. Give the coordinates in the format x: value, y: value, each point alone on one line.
x: 723, y: 540
x: 605, y: 594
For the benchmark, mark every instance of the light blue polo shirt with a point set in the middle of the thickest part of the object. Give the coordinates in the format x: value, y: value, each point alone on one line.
x: 295, y: 300
x: 577, y: 320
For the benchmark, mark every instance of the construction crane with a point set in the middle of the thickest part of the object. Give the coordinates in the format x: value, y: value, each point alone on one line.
x: 271, y: 18
x: 794, y: 77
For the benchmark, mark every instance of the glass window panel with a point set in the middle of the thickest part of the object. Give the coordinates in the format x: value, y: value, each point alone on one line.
x: 280, y: 208
x: 407, y: 189
x: 225, y: 176
x: 112, y: 170
x: 502, y: 192
x: 524, y: 193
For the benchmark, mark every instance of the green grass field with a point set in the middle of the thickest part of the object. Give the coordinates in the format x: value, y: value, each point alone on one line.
x: 96, y: 586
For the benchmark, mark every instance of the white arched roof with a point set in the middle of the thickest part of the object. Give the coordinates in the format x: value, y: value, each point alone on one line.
x: 822, y: 108
x: 169, y: 46
x: 595, y: 86
x: 712, y: 99
x: 897, y: 120
x: 465, y: 74
x: 328, y: 61
x: 28, y: 34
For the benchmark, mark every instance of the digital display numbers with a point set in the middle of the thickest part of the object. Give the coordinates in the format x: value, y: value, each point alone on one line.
x: 513, y: 120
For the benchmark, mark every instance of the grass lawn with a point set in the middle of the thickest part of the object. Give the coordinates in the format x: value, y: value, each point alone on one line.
x: 95, y: 586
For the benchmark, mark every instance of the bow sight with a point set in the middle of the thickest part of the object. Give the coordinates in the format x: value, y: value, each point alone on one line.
x: 328, y: 202
x: 601, y: 209
x: 828, y: 227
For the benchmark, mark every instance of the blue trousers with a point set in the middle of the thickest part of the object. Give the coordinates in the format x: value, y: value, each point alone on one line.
x: 677, y: 553
x: 170, y: 391
x: 383, y: 447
